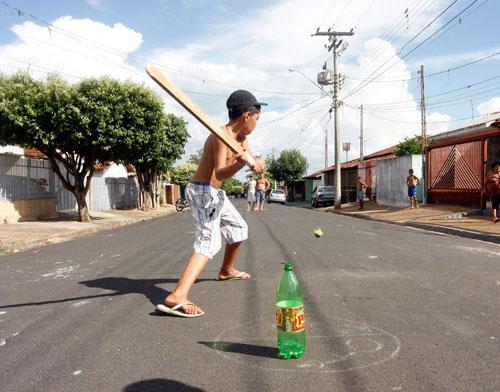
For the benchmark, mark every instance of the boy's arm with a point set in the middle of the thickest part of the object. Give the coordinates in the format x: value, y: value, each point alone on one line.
x: 260, y: 164
x: 221, y: 169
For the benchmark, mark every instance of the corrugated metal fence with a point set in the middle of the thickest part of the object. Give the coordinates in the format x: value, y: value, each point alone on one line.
x: 112, y: 193
x: 25, y: 178
x: 29, y: 179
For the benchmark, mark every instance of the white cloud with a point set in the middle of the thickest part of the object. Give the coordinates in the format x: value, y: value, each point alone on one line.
x: 490, y: 106
x: 437, y: 123
x: 73, y: 47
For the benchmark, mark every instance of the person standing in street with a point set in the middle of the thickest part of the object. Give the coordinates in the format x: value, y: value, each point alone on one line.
x: 251, y: 194
x: 262, y: 187
x: 361, y: 193
x: 412, y: 181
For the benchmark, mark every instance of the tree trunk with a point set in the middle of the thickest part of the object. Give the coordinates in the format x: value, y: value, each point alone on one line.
x: 83, y: 212
x: 147, y: 187
x: 78, y: 168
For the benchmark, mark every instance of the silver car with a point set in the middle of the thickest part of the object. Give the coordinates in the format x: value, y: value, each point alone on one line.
x: 323, y: 195
x: 276, y: 196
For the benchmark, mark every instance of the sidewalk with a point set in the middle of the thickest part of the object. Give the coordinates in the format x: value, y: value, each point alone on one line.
x: 453, y: 220
x: 23, y: 235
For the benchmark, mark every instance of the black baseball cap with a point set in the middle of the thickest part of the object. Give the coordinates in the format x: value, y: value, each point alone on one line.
x: 241, y: 101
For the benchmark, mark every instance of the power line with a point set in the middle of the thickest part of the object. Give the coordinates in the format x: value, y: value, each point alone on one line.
x: 364, y: 14
x: 285, y: 115
x: 328, y: 13
x: 445, y: 103
x: 341, y: 13
x: 429, y: 25
x: 393, y: 34
x: 370, y: 79
x: 381, y: 105
x: 362, y: 85
x: 370, y: 113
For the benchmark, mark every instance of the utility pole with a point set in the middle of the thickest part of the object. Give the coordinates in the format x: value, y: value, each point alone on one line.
x: 361, y: 136
x: 326, y: 146
x: 334, y: 47
x: 424, y: 132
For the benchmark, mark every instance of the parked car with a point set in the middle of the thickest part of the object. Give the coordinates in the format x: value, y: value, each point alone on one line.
x: 323, y: 195
x: 276, y: 196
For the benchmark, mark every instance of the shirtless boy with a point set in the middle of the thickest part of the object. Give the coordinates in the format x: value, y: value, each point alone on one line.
x: 212, y: 211
x: 262, y: 187
x: 412, y: 181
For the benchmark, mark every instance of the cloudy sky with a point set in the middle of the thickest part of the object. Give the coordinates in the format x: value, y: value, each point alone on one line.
x: 210, y: 48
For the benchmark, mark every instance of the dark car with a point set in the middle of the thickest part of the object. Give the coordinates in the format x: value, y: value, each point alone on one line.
x: 323, y: 195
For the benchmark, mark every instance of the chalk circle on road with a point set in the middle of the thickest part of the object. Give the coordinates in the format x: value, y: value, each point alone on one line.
x: 333, y: 345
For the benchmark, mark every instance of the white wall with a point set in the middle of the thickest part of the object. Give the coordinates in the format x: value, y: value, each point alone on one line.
x: 391, y: 180
x: 15, y: 150
x: 115, y: 171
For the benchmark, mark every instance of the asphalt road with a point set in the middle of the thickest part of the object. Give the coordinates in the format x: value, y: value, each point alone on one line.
x: 388, y: 308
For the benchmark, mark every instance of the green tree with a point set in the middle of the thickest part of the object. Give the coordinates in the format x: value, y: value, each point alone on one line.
x: 410, y: 146
x: 182, y: 174
x: 96, y: 119
x: 48, y: 116
x: 150, y: 140
x: 233, y: 186
x: 290, y: 166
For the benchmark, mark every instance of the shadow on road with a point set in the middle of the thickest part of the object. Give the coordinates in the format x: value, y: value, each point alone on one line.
x: 242, y: 348
x: 147, y: 287
x: 159, y: 385
x: 120, y: 286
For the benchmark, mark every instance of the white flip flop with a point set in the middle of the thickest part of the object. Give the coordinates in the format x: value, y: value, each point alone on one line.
x: 174, y: 310
x: 240, y: 276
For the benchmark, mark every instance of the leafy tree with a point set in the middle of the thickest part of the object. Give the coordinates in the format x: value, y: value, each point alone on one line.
x: 96, y: 119
x: 410, y: 146
x: 182, y: 174
x: 233, y: 187
x: 290, y: 166
x: 150, y: 139
x: 50, y: 116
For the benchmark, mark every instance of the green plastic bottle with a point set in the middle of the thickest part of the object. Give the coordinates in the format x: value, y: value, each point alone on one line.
x: 290, y: 319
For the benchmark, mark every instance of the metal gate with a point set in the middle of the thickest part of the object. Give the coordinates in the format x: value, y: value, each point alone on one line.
x: 455, y: 174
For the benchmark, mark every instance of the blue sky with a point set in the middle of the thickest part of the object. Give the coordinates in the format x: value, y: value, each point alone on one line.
x: 210, y: 48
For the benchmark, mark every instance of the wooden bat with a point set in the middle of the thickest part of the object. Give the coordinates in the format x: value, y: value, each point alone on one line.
x: 177, y: 94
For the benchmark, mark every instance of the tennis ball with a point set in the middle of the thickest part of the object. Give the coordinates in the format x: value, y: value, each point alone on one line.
x: 318, y: 232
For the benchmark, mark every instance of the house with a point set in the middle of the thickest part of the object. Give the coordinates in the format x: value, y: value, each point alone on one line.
x: 26, y: 186
x: 30, y: 189
x: 351, y: 170
x: 459, y: 160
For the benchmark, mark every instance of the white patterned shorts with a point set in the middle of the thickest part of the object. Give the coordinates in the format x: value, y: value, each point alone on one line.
x: 214, y: 216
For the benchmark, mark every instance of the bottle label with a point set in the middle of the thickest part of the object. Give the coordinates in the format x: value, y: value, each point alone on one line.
x: 290, y: 319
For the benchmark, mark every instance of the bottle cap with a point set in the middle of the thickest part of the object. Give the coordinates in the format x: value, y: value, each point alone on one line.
x: 288, y: 265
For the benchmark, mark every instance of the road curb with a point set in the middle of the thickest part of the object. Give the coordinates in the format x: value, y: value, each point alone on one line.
x: 476, y: 235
